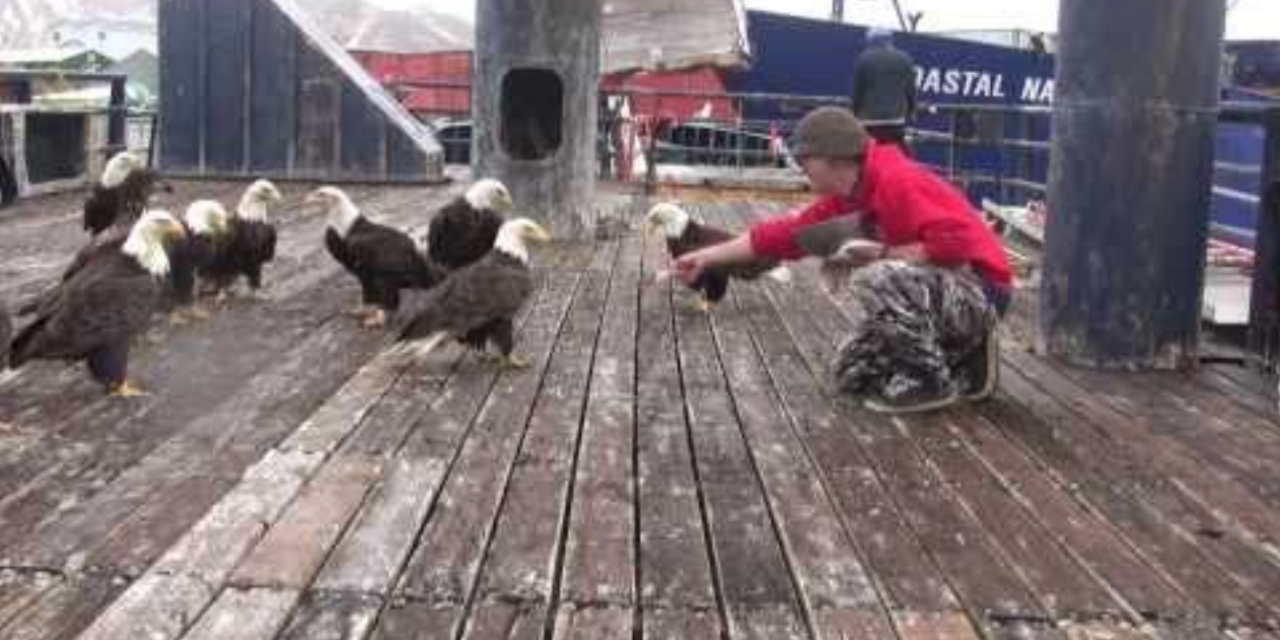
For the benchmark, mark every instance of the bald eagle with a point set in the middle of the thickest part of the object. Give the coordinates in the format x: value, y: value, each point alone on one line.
x: 249, y: 244
x: 384, y: 260
x: 685, y: 235
x: 96, y: 313
x: 121, y: 194
x: 208, y: 225
x: 480, y: 299
x: 464, y: 230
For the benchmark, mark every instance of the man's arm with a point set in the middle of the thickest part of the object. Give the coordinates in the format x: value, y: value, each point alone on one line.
x: 691, y: 266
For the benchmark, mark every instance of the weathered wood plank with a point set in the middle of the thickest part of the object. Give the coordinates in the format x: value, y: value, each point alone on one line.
x: 235, y: 432
x: 1082, y: 531
x: 952, y: 537
x: 1260, y: 402
x: 590, y: 623
x: 675, y: 566
x: 834, y: 585
x: 319, y: 112
x: 790, y: 338
x: 374, y: 550
x: 64, y: 609
x: 1174, y: 493
x: 1102, y: 631
x: 180, y: 82
x: 156, y: 606
x: 332, y: 616
x: 273, y: 90
x: 212, y: 548
x: 320, y: 360
x: 452, y: 545
x: 415, y: 620
x: 19, y: 589
x: 599, y: 561
x: 499, y: 620
x: 1048, y: 434
x: 523, y: 558
x: 1188, y: 629
x: 245, y: 614
x: 227, y: 57
x: 912, y: 625
x: 682, y: 624
x: 1058, y: 582
x: 1235, y: 442
x: 759, y: 591
x: 292, y: 550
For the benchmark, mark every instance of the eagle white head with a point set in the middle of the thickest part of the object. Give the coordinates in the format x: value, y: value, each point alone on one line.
x: 119, y: 167
x: 667, y: 216
x: 256, y: 201
x: 207, y: 218
x: 150, y: 236
x: 337, y: 206
x: 491, y: 195
x: 515, y: 235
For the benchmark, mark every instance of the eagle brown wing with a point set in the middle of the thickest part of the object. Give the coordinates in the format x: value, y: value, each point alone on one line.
x: 494, y: 288
x: 95, y: 308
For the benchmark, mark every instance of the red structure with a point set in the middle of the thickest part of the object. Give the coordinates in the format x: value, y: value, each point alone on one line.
x: 439, y: 85
x: 703, y: 80
x: 449, y: 73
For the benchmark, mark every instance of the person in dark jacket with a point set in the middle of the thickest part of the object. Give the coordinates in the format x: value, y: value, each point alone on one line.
x: 929, y: 279
x: 884, y: 88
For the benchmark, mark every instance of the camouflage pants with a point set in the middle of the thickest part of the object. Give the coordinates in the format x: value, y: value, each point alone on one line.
x: 912, y: 326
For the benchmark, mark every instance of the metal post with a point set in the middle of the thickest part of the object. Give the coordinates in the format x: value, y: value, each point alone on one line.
x: 1135, y: 112
x: 118, y: 116
x: 1264, y: 301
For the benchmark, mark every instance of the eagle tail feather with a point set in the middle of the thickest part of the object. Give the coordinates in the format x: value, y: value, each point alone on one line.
x: 780, y: 274
x: 412, y: 351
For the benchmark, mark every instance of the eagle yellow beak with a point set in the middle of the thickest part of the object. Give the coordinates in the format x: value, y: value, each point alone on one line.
x: 536, y: 233
x: 174, y: 230
x: 505, y: 203
x: 313, y: 203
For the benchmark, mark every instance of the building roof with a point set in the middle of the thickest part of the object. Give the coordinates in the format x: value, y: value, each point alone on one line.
x: 674, y: 34
x: 638, y: 34
x: 44, y: 55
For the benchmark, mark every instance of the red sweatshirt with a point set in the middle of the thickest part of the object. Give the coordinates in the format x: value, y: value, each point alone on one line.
x: 907, y: 204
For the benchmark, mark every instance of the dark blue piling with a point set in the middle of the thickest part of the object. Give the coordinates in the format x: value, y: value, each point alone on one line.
x: 1130, y: 180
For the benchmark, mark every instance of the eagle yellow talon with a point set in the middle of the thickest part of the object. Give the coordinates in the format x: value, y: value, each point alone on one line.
x: 127, y: 389
x: 179, y: 318
x: 515, y: 362
x: 375, y: 320
x: 702, y: 305
x: 198, y: 313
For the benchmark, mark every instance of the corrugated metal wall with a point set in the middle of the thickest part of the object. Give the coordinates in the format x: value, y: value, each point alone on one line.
x: 255, y: 88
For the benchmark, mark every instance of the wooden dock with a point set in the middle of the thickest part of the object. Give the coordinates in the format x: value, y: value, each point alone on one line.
x: 657, y: 473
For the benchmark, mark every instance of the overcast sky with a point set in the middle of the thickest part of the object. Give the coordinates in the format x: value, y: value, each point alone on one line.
x: 1258, y: 19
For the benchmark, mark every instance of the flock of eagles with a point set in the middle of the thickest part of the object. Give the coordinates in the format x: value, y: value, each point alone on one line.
x: 142, y: 261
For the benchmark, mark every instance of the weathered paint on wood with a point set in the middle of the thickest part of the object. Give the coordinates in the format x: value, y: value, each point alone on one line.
x: 294, y: 547
x: 451, y: 547
x: 599, y: 563
x: 675, y: 565
x: 238, y: 614
x: 255, y: 87
x: 1030, y: 476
